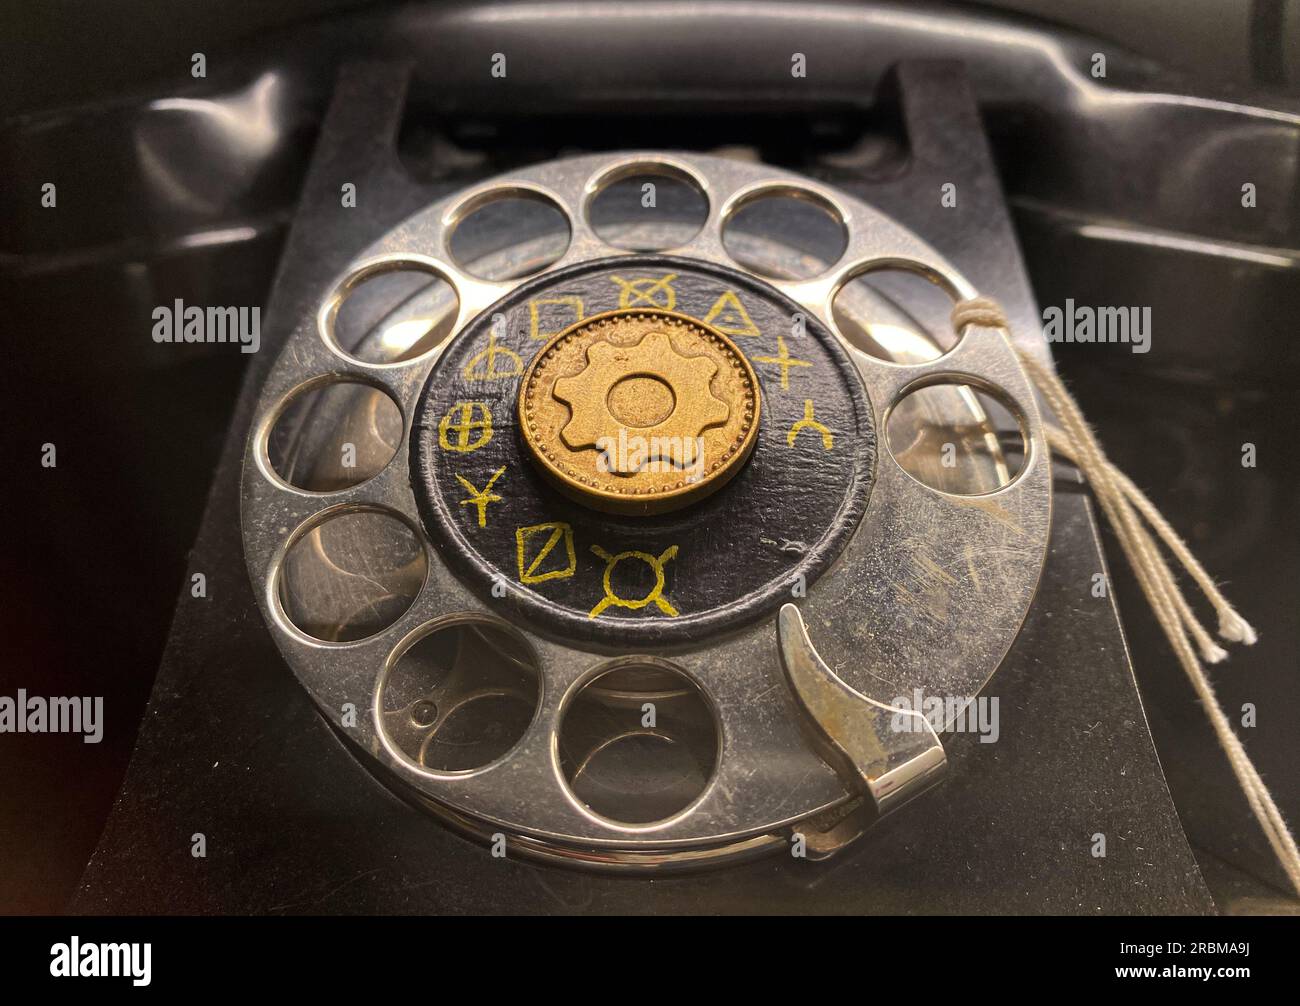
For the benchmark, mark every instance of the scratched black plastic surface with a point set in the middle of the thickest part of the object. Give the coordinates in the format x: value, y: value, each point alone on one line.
x: 231, y: 746
x: 739, y: 553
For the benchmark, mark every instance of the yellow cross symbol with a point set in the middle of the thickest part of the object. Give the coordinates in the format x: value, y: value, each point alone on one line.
x: 809, y: 423
x: 656, y: 592
x: 484, y: 366
x: 481, y: 497
x: 634, y: 292
x: 784, y: 360
x: 465, y: 425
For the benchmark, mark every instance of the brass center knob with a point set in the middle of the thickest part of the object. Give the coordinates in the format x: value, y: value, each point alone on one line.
x: 639, y: 411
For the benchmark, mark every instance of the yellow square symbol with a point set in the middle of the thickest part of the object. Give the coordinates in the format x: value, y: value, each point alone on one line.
x: 537, y: 543
x: 535, y: 313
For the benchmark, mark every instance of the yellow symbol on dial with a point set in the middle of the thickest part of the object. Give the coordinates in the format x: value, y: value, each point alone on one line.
x: 647, y: 292
x: 656, y: 563
x: 471, y: 433
x: 483, y: 367
x: 784, y: 360
x: 556, y: 532
x: 728, y: 315
x: 535, y: 314
x: 809, y: 423
x: 481, y: 497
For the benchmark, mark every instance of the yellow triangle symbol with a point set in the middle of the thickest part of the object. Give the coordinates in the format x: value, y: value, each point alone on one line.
x: 729, y: 316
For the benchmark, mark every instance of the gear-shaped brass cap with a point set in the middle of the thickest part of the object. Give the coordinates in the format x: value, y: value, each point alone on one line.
x: 639, y: 411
